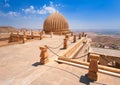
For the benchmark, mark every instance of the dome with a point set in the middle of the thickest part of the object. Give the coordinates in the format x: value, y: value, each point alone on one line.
x: 56, y: 23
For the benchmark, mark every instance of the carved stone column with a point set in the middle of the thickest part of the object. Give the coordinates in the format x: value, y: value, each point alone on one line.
x: 24, y: 37
x: 72, y: 33
x: 32, y: 35
x: 41, y: 35
x: 65, y: 43
x: 93, y: 67
x: 18, y: 38
x: 10, y: 38
x: 80, y: 35
x: 67, y: 37
x: 74, y: 38
x: 43, y: 55
x: 85, y: 35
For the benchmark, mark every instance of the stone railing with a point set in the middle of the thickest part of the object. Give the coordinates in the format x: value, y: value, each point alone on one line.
x: 23, y: 36
x: 71, y: 51
x: 107, y: 59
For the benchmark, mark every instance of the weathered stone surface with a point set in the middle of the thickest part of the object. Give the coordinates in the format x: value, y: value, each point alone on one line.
x: 41, y: 35
x: 74, y: 38
x: 67, y: 37
x: 65, y: 43
x: 43, y: 55
x: 56, y: 23
x: 93, y: 67
x: 80, y: 35
x: 24, y: 37
x: 72, y: 33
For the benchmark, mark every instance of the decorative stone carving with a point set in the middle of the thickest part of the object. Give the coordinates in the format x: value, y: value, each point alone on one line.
x: 56, y: 23
x: 83, y: 34
x: 67, y: 37
x: 65, y: 43
x: 93, y: 67
x: 24, y: 37
x: 10, y: 38
x: 43, y: 55
x: 32, y: 35
x: 74, y: 38
x: 41, y: 35
x: 72, y: 33
x: 80, y: 35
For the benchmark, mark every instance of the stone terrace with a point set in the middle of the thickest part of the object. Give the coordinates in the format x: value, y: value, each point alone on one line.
x: 19, y: 65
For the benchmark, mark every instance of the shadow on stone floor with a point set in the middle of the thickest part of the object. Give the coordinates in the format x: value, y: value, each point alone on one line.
x: 36, y: 64
x: 84, y: 79
x: 62, y: 48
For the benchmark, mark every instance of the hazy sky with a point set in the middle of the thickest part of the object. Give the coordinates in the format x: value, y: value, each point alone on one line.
x: 81, y: 14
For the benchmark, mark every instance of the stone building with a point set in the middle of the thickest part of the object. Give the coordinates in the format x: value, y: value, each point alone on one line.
x: 56, y: 23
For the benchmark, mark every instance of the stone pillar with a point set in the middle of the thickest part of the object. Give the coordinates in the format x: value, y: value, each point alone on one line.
x: 74, y: 38
x: 18, y: 36
x: 32, y: 34
x: 72, y: 33
x: 24, y: 37
x: 43, y: 55
x: 10, y: 38
x: 80, y: 35
x: 67, y: 37
x: 41, y: 35
x: 85, y: 35
x: 93, y: 67
x: 88, y: 57
x: 65, y: 43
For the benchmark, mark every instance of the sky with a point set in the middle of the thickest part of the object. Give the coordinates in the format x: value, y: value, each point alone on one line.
x: 81, y: 14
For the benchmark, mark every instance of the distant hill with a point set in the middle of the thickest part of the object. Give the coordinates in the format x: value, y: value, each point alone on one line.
x: 6, y: 29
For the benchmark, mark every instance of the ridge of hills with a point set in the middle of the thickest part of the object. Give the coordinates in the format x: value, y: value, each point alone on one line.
x: 6, y: 29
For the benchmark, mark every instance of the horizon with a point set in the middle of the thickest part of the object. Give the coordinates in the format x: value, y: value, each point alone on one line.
x: 81, y: 15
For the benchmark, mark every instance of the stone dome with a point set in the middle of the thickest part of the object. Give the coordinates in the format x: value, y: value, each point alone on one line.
x: 56, y: 23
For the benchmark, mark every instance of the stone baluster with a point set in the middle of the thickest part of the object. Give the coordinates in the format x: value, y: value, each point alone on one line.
x: 43, y: 55
x: 74, y: 39
x: 80, y: 35
x: 18, y: 38
x: 65, y: 43
x: 72, y: 33
x: 10, y: 38
x: 85, y: 35
x: 93, y: 67
x: 67, y: 37
x: 32, y: 34
x: 41, y: 35
x: 24, y: 37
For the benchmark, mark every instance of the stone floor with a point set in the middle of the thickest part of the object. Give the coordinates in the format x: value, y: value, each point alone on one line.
x: 19, y: 65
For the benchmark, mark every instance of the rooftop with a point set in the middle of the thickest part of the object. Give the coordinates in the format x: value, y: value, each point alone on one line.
x: 19, y: 64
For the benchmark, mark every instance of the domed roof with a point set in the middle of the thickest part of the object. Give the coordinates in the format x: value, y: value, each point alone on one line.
x: 56, y: 23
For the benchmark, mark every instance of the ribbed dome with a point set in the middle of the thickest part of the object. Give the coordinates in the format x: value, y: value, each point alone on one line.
x: 56, y: 23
